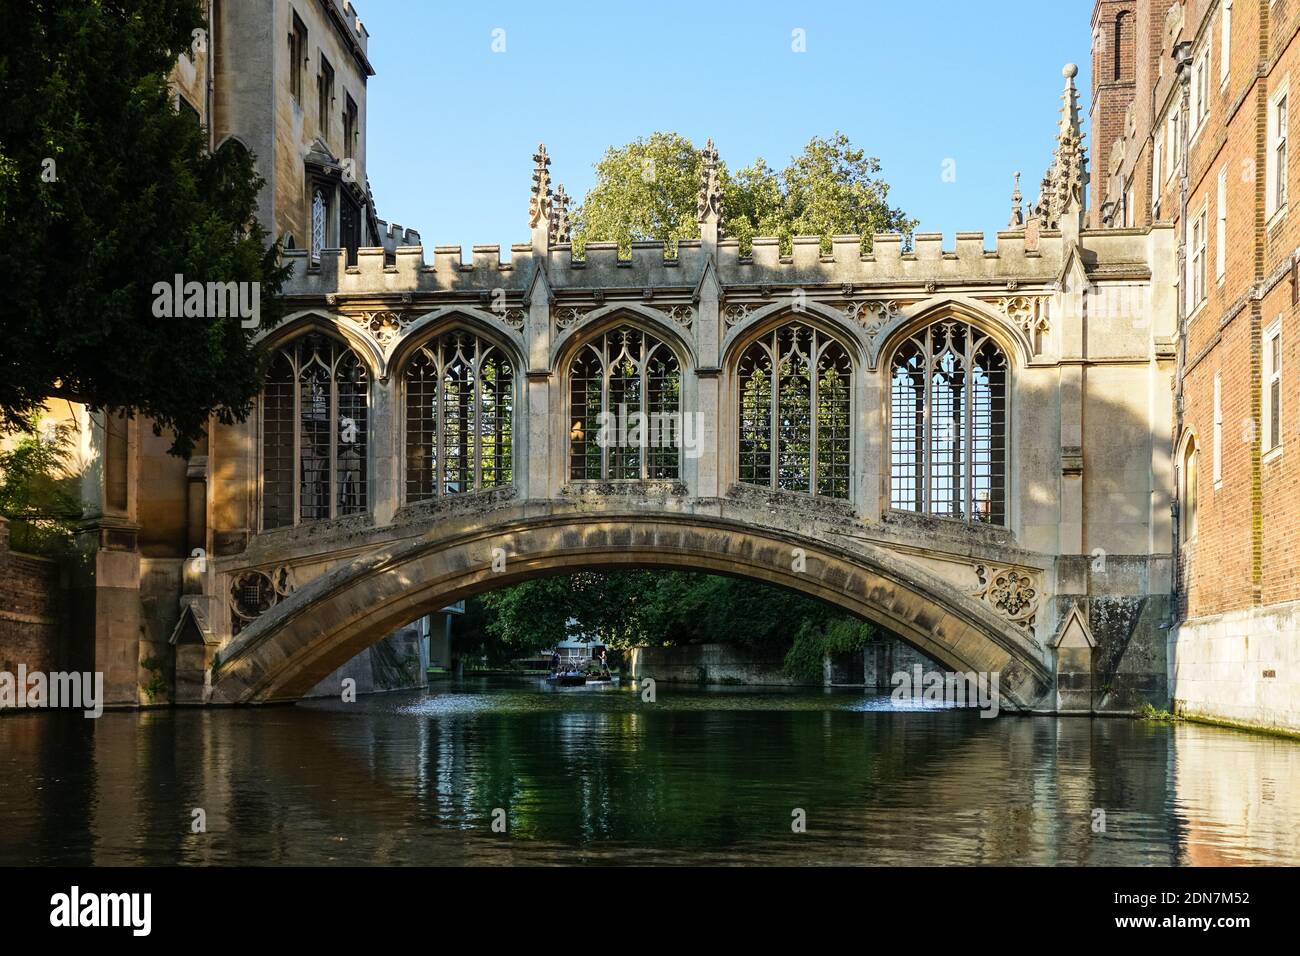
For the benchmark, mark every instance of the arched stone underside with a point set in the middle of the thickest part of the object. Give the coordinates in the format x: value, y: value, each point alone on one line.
x: 323, y: 624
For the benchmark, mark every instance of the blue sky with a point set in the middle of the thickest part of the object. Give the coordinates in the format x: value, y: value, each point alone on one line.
x: 453, y: 125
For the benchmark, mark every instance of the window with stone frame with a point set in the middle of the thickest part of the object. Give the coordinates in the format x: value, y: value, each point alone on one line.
x: 794, y: 401
x: 1196, y: 262
x: 948, y: 424
x: 1272, y: 387
x: 350, y: 127
x: 324, y: 96
x: 459, y: 396
x: 320, y: 216
x: 315, y: 432
x: 625, y: 400
x: 297, y: 57
x: 1276, y: 166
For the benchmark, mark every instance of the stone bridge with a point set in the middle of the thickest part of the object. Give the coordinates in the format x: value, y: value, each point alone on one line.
x: 969, y: 446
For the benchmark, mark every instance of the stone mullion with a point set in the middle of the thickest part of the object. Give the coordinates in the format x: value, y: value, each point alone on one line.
x: 774, y: 418
x: 331, y: 426
x: 967, y: 432
x: 812, y: 421
x: 927, y: 452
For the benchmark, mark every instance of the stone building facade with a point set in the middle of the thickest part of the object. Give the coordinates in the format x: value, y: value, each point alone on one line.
x: 1205, y: 150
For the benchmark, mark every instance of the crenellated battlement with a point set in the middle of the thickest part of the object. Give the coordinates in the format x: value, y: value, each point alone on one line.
x: 969, y: 259
x: 392, y: 235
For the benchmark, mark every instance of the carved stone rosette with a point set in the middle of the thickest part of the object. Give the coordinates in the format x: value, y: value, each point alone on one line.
x: 253, y: 593
x: 385, y: 325
x: 568, y: 317
x: 871, y: 314
x: 512, y: 317
x: 1013, y: 592
x: 683, y: 315
x: 735, y: 314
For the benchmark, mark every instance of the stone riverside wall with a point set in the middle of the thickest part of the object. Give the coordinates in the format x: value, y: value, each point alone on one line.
x: 730, y: 663
x: 30, y: 610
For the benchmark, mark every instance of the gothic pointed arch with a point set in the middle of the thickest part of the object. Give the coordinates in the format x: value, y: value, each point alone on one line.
x: 300, y: 323
x: 1189, y: 458
x: 1013, y: 339
x: 483, y: 322
x: 758, y: 320
x: 650, y: 320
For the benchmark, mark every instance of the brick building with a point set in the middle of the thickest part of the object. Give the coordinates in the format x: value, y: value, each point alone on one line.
x: 1199, y: 139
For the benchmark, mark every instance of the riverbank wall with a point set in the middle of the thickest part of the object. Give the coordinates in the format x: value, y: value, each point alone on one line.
x: 1234, y: 668
x: 31, y: 610
x: 735, y: 664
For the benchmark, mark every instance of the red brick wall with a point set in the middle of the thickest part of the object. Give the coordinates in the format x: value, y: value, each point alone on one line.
x: 30, y: 604
x: 1248, y: 538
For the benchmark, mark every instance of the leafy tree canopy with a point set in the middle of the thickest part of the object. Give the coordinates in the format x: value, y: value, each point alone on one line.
x: 645, y: 607
x: 106, y: 190
x: 37, y: 492
x: 647, y: 189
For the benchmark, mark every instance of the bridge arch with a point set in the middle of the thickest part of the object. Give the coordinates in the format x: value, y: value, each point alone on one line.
x: 316, y: 629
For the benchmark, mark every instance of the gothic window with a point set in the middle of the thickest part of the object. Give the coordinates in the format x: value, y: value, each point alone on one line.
x: 315, y: 433
x: 625, y: 409
x: 319, y: 222
x: 794, y: 387
x: 1191, y: 458
x: 948, y: 424
x: 459, y: 417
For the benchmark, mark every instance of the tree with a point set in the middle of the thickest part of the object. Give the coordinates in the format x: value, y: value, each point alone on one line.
x: 644, y: 190
x: 36, y: 491
x: 648, y: 607
x: 648, y: 188
x: 105, y: 191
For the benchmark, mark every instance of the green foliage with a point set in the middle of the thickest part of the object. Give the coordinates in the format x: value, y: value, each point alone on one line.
x: 1150, y: 712
x: 816, y: 639
x: 157, y: 682
x: 647, y: 189
x: 644, y: 607
x: 644, y: 190
x: 36, y: 493
x: 105, y: 190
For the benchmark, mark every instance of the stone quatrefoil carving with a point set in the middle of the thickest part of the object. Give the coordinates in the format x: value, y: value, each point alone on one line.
x: 1012, y: 592
x: 253, y: 593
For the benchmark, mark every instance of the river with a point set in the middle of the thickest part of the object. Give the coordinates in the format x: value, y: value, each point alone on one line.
x: 708, y: 776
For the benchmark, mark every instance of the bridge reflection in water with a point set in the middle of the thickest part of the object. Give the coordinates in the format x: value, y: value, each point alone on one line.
x: 700, y: 776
